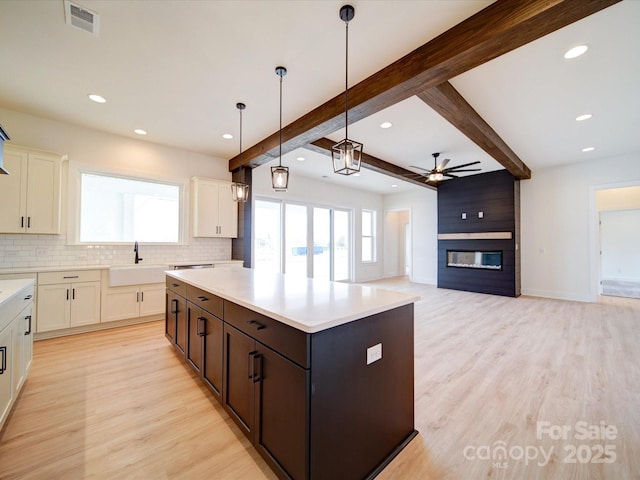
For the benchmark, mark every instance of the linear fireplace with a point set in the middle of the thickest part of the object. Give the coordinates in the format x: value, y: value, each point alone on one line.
x: 490, y: 260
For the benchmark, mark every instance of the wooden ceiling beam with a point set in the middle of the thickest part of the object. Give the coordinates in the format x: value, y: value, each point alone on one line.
x: 448, y: 102
x: 323, y: 146
x: 501, y: 27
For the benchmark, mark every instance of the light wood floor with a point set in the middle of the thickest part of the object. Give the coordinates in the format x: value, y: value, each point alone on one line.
x: 119, y: 404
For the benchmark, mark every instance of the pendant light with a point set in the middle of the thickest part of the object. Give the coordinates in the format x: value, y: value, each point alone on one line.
x: 346, y: 154
x: 280, y: 174
x: 239, y: 190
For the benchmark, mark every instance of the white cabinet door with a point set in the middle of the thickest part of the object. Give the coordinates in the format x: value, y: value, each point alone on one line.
x: 17, y: 369
x: 26, y: 326
x: 6, y: 358
x: 43, y: 194
x: 85, y: 303
x: 13, y: 193
x: 227, y: 213
x: 213, y: 211
x: 30, y: 195
x: 54, y: 305
x: 120, y: 303
x: 152, y: 300
x: 204, y: 205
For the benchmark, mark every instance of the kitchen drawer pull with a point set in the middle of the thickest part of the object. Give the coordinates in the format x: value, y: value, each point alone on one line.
x: 28, y: 297
x: 203, y: 299
x: 175, y: 284
x: 71, y: 276
x: 174, y: 306
x: 201, y: 333
x: 28, y: 332
x: 259, y: 326
x: 3, y: 364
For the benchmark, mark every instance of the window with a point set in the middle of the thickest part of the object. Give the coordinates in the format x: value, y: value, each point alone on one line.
x: 118, y: 209
x: 302, y: 240
x: 368, y: 236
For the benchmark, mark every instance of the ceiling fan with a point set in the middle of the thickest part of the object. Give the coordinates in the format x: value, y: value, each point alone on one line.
x: 439, y: 171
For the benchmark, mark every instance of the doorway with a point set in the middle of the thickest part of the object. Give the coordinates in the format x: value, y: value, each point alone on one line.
x: 397, y: 243
x: 619, y: 254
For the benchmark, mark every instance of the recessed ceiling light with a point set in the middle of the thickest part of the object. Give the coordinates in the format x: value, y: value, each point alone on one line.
x: 583, y: 117
x: 139, y: 131
x: 588, y: 149
x: 386, y: 125
x: 227, y: 136
x: 96, y: 98
x: 394, y: 186
x: 300, y: 159
x: 575, y: 51
x: 356, y: 174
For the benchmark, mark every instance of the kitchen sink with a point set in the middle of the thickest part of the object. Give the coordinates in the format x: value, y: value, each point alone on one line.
x: 136, y: 274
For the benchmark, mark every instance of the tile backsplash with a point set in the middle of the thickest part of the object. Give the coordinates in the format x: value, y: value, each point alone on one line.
x: 33, y: 251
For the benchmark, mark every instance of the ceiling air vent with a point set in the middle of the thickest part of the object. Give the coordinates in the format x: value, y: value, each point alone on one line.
x: 81, y: 18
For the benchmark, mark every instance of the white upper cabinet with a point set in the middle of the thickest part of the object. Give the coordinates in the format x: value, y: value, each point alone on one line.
x: 30, y: 194
x: 213, y: 211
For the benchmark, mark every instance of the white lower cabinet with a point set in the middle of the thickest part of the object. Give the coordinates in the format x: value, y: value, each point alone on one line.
x: 68, y: 299
x: 121, y: 303
x: 16, y: 346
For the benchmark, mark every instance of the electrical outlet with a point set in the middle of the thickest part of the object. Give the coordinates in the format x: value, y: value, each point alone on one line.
x: 374, y: 353
x: 480, y: 214
x: 464, y: 216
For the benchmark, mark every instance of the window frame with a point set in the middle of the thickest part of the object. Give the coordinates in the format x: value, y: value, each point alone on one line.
x: 75, y: 198
x: 372, y: 238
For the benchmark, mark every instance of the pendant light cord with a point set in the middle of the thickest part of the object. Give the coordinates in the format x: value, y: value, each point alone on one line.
x: 280, y: 159
x: 346, y: 84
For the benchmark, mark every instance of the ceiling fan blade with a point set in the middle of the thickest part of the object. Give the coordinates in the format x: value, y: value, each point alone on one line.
x: 455, y: 170
x: 419, y: 168
x: 464, y: 165
x: 441, y: 166
x: 449, y: 175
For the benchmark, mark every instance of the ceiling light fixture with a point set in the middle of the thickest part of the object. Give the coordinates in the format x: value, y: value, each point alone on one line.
x: 227, y: 136
x: 239, y: 190
x: 300, y: 159
x: 280, y: 174
x: 346, y: 154
x: 96, y: 98
x: 576, y: 51
x: 588, y: 149
x: 139, y: 131
x: 583, y: 117
x: 386, y: 125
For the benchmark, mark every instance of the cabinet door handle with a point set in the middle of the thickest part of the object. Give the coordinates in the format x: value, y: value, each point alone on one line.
x: 257, y: 370
x: 137, y: 297
x: 203, y: 299
x: 201, y: 321
x: 28, y: 297
x: 21, y: 222
x: 258, y: 325
x: 3, y: 364
x: 67, y: 294
x: 174, y: 306
x: 250, y: 364
x: 73, y: 294
x: 28, y: 332
x: 28, y: 222
x: 142, y: 296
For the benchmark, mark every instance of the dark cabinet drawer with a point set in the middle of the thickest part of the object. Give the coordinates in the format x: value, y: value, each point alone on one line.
x: 287, y: 341
x: 177, y: 286
x: 205, y: 300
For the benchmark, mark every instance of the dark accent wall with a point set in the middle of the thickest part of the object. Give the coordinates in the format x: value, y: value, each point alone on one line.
x: 241, y: 246
x: 497, y: 196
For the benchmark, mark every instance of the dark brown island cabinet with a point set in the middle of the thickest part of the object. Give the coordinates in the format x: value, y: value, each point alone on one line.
x: 327, y: 403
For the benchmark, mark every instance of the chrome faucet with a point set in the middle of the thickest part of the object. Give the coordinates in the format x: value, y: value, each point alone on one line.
x: 135, y: 249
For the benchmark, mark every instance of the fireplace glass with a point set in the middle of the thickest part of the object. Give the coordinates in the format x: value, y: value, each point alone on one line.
x: 474, y: 259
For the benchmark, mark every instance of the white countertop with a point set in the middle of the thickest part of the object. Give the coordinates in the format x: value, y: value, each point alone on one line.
x: 10, y: 288
x: 305, y: 304
x: 62, y: 268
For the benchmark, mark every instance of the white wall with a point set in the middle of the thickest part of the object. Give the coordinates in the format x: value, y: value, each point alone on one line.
x: 422, y: 204
x: 559, y: 225
x: 316, y: 192
x: 100, y: 150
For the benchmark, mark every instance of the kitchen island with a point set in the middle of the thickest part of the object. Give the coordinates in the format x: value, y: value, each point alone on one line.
x: 318, y: 375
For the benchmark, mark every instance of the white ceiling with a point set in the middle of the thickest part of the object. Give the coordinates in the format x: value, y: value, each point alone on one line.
x: 177, y: 69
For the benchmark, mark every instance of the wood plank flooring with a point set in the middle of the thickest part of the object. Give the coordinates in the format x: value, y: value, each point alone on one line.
x: 488, y: 369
